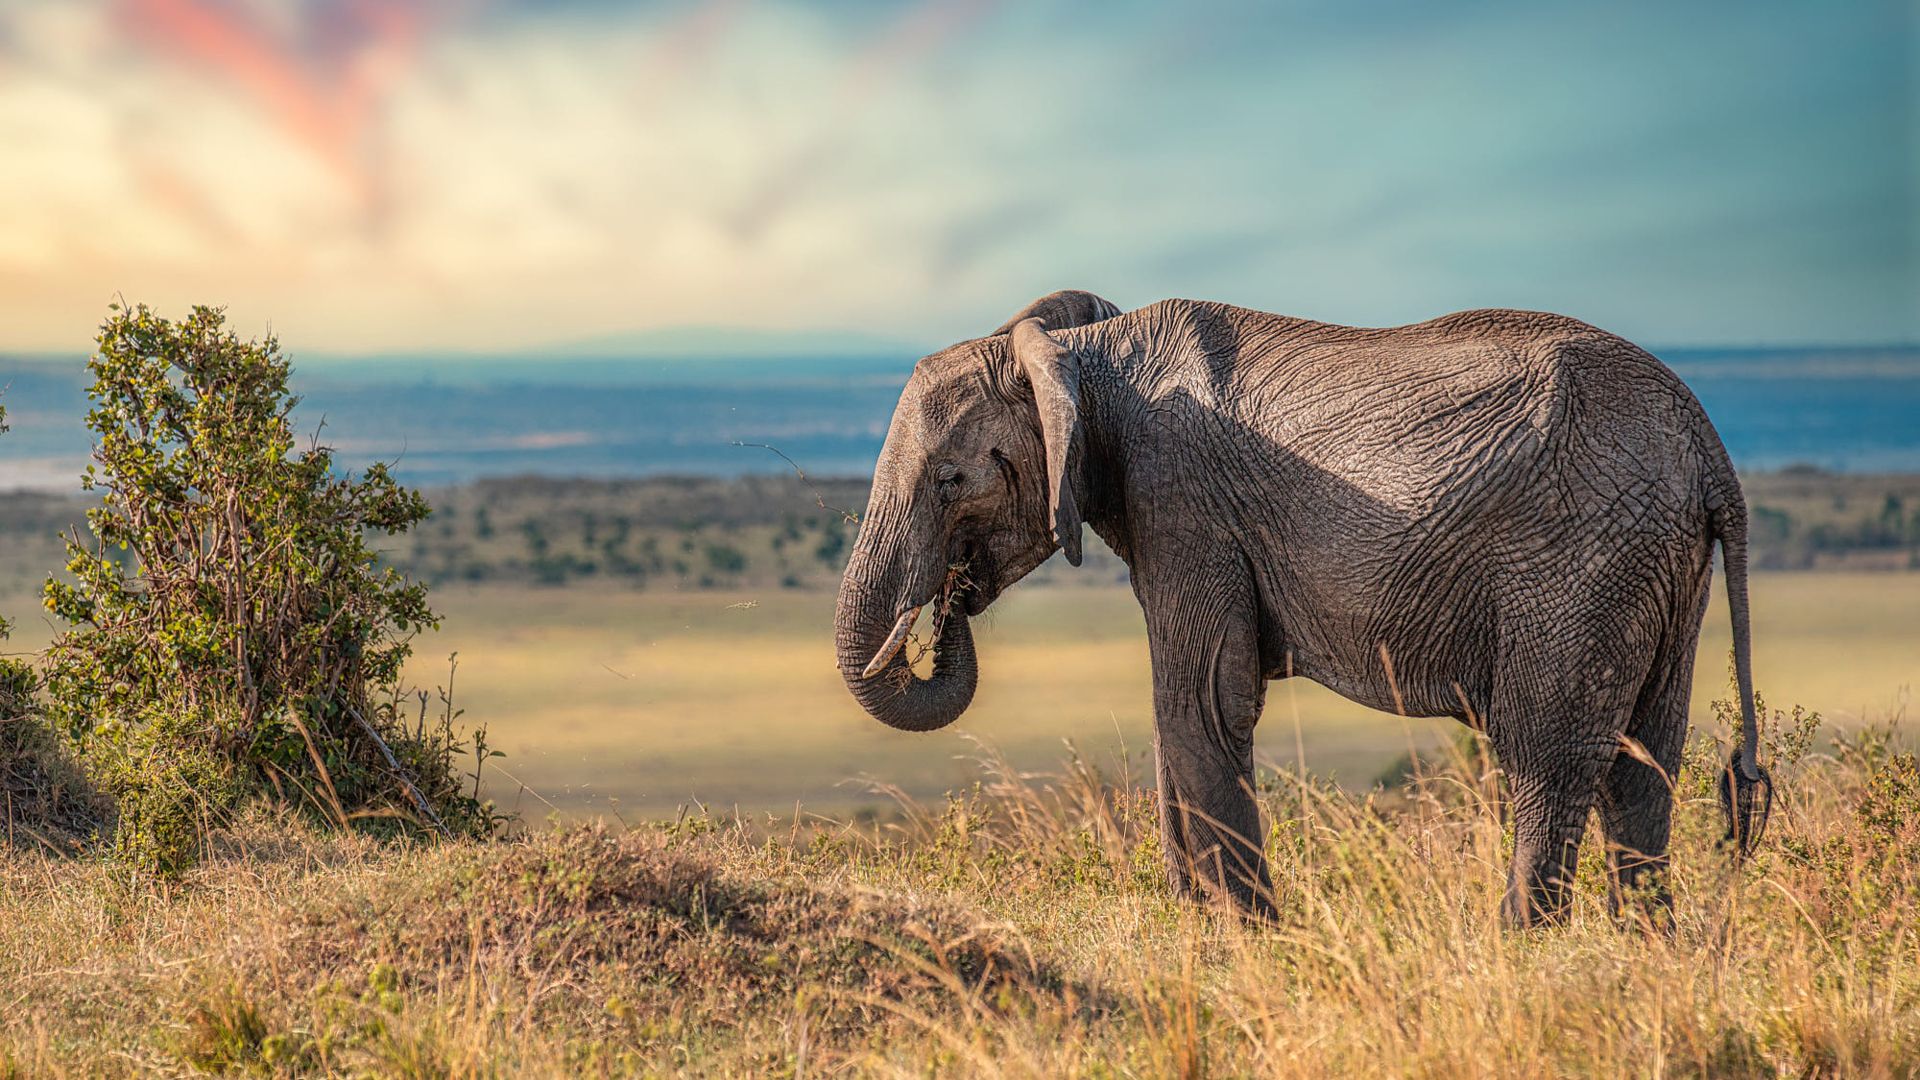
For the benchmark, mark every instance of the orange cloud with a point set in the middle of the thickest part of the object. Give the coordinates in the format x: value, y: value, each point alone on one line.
x: 331, y: 106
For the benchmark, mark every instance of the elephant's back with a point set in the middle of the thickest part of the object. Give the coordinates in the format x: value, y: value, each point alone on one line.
x: 1481, y: 409
x: 1471, y: 417
x: 1416, y: 418
x: 1613, y: 421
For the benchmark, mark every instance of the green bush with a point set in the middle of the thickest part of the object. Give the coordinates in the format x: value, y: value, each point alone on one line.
x: 232, y: 633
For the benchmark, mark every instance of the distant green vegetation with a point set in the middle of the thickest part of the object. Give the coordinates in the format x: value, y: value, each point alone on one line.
x: 1804, y: 518
x: 773, y: 531
x: 678, y: 533
x: 698, y: 533
x: 710, y: 533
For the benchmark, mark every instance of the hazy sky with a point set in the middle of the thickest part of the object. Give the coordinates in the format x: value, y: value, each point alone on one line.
x: 372, y: 175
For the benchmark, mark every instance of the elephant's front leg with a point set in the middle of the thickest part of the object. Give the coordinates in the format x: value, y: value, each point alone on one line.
x: 1207, y: 694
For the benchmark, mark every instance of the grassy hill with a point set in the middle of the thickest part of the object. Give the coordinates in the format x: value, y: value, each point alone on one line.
x: 1019, y: 929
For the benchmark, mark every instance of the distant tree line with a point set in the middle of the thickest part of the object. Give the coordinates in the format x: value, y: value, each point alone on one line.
x: 1804, y: 518
x: 680, y: 533
x: 714, y: 533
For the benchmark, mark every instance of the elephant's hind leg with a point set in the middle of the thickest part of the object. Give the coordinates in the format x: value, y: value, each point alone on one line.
x: 1555, y: 723
x: 1636, y: 798
x: 1636, y: 815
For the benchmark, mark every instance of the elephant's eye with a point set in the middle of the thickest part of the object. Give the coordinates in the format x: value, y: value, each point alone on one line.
x: 948, y: 478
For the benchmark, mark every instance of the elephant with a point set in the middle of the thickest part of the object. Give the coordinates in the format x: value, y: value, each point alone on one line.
x: 1505, y: 517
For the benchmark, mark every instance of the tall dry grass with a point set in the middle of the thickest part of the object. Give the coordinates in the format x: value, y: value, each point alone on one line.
x: 1021, y: 928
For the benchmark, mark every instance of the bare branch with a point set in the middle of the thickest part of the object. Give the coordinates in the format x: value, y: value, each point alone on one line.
x: 848, y: 516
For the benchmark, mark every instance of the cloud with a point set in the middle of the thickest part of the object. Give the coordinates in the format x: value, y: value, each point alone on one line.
x: 324, y: 85
x: 437, y: 174
x: 876, y: 69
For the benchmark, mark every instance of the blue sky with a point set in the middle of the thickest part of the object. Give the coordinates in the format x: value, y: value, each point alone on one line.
x: 456, y: 174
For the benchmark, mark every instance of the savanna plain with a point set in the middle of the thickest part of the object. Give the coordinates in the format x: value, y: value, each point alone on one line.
x: 720, y: 866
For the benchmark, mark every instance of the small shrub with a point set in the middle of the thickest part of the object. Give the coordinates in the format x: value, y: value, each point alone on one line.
x: 725, y: 558
x: 169, y: 783
x: 231, y: 630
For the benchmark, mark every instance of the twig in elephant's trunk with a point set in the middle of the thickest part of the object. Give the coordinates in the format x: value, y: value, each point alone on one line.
x: 955, y: 585
x: 951, y: 590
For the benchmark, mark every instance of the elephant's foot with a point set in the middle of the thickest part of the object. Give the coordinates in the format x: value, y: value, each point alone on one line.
x: 1538, y: 886
x: 1247, y: 895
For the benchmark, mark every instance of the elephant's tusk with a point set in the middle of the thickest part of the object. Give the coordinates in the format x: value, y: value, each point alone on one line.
x: 892, y: 645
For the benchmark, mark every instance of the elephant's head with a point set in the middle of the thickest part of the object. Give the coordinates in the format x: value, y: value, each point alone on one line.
x: 974, y: 488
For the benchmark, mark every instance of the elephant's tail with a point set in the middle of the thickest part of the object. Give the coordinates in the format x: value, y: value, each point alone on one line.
x: 1746, y: 789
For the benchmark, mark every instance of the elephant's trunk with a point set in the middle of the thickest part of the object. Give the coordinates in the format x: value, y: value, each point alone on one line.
x: 871, y: 628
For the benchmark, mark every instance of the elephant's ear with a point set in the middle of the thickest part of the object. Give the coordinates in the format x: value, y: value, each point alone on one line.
x: 1055, y: 377
x: 1062, y: 310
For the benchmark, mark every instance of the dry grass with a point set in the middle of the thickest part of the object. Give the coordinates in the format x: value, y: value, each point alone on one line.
x: 1019, y: 929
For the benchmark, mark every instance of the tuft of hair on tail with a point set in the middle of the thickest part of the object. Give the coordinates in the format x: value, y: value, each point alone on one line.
x: 1745, y: 803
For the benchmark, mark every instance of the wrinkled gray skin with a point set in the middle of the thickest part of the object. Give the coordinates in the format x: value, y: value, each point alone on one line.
x: 1504, y: 517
